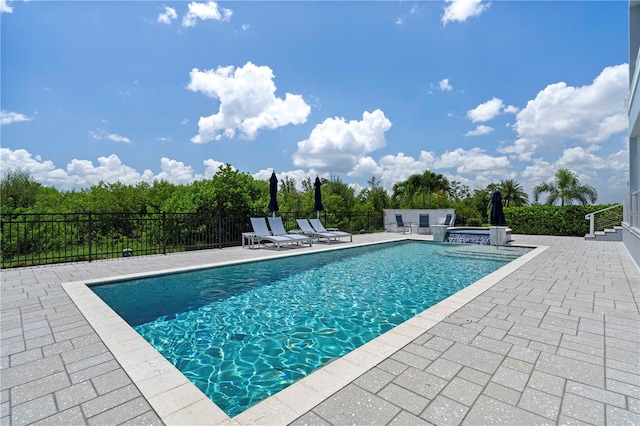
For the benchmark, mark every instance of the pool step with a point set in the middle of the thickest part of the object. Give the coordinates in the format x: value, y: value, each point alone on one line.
x: 497, y: 255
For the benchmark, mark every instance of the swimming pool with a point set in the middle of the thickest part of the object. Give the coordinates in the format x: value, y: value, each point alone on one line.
x: 244, y: 332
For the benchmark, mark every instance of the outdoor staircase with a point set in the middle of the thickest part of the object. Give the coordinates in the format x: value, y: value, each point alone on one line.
x: 613, y: 234
x: 605, y: 224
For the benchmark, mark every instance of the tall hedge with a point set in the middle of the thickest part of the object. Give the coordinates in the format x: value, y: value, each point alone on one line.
x: 550, y: 220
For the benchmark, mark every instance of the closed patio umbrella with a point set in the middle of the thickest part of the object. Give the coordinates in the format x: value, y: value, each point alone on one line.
x: 317, y: 206
x: 497, y: 214
x: 273, y: 194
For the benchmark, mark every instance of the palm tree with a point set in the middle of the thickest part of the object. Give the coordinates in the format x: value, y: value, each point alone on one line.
x: 427, y: 183
x: 566, y: 188
x: 432, y: 183
x: 512, y: 193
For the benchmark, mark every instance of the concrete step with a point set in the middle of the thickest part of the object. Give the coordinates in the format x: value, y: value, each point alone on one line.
x: 612, y: 234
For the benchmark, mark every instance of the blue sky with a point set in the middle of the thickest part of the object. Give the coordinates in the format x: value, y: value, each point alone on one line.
x: 478, y: 91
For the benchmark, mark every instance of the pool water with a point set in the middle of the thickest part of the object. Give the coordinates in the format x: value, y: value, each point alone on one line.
x: 244, y: 332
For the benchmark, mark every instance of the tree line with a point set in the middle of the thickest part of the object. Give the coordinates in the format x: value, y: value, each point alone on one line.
x: 230, y: 191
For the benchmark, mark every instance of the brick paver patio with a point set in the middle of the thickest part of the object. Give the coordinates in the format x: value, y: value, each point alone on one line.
x: 557, y: 341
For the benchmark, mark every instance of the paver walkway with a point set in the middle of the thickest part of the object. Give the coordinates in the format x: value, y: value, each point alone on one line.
x: 555, y: 342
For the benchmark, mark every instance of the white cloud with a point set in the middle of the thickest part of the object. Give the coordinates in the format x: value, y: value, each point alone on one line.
x: 474, y: 167
x: 607, y: 173
x: 397, y: 168
x: 444, y: 85
x: 100, y: 134
x: 205, y: 11
x: 8, y: 117
x: 4, y: 7
x: 168, y: 15
x: 247, y: 102
x: 245, y: 27
x: 480, y: 130
x: 474, y: 160
x: 79, y: 174
x: 212, y: 167
x: 461, y: 10
x: 338, y: 146
x: 176, y: 172
x: 297, y: 175
x: 366, y: 166
x: 584, y: 115
x: 510, y: 109
x: 486, y: 111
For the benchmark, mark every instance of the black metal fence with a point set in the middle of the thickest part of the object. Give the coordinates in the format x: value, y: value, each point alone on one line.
x: 37, y: 239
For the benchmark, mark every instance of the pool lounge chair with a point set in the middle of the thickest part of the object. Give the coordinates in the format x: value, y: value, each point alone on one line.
x: 277, y: 229
x: 423, y: 223
x: 401, y: 225
x: 307, y: 229
x: 262, y: 233
x: 449, y: 220
x: 319, y: 227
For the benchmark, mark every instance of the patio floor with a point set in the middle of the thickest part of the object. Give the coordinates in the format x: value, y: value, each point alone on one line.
x: 553, y: 338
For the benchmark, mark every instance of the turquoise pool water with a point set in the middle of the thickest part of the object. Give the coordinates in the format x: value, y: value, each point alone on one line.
x: 244, y: 332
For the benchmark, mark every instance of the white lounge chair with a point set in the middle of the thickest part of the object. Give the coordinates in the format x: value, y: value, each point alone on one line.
x: 262, y: 233
x: 307, y: 229
x: 319, y: 227
x: 277, y: 229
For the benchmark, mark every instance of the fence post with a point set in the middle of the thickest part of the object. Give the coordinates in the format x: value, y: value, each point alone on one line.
x: 219, y: 229
x: 90, y: 235
x: 164, y: 232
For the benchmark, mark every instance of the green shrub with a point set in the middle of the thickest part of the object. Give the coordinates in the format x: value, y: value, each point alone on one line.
x: 550, y: 220
x: 474, y: 221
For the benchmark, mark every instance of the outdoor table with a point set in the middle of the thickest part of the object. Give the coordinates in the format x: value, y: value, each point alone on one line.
x: 251, y: 238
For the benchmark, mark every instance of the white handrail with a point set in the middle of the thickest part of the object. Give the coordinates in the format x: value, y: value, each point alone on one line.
x: 591, y: 217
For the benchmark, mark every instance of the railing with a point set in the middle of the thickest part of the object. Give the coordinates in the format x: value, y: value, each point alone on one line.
x: 605, y: 218
x: 632, y: 209
x: 37, y: 239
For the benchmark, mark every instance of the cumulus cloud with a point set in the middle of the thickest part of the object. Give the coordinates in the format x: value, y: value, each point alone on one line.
x: 4, y: 7
x: 8, y: 117
x: 212, y: 167
x: 472, y: 167
x: 337, y: 145
x: 102, y: 135
x: 444, y: 85
x: 297, y: 175
x: 607, y: 173
x: 480, y: 130
x: 397, y: 168
x: 366, y: 166
x: 205, y: 11
x: 461, y: 10
x: 247, y: 102
x: 168, y: 15
x: 486, y: 111
x: 584, y: 115
x: 475, y: 160
x: 80, y: 174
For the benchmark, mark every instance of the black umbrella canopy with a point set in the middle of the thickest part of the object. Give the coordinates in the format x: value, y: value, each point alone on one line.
x: 273, y: 193
x: 318, y: 202
x: 497, y: 214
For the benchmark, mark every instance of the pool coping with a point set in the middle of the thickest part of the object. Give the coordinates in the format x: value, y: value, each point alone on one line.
x: 178, y: 401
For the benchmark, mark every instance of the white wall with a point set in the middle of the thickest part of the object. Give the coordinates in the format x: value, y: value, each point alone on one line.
x: 413, y: 216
